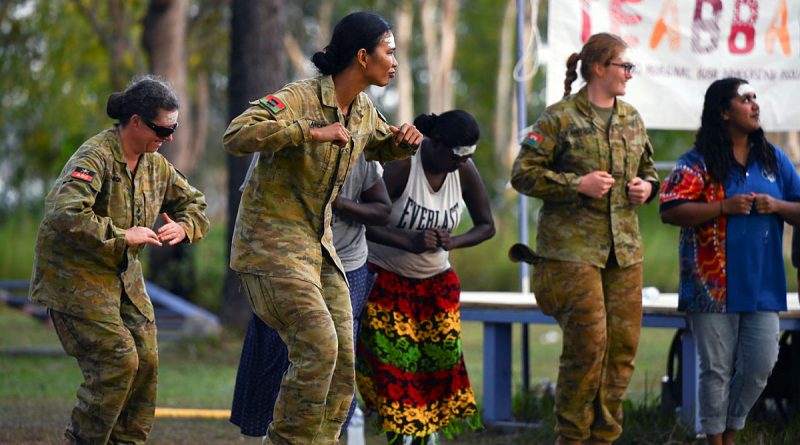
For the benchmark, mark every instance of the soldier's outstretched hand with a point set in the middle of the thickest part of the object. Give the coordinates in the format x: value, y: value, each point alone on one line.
x: 407, y: 134
x: 141, y: 235
x: 171, y: 231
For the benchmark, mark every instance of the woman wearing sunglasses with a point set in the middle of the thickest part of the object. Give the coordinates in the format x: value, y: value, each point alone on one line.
x: 589, y: 160
x: 98, y: 218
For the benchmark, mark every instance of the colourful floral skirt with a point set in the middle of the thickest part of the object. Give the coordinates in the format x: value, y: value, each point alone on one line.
x: 409, y: 362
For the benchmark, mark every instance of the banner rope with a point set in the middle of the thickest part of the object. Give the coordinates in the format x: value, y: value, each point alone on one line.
x: 531, y: 49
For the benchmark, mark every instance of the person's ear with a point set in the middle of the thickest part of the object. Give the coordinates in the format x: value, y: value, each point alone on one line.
x: 598, y: 69
x: 725, y: 115
x: 361, y: 56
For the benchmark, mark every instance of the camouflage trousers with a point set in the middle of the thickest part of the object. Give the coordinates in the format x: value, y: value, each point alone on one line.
x: 317, y: 327
x: 600, y: 314
x: 119, y: 361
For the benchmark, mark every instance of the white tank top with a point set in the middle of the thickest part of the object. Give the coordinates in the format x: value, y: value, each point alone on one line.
x: 417, y: 209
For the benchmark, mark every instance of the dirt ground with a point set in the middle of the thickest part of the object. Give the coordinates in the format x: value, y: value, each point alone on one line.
x: 42, y: 423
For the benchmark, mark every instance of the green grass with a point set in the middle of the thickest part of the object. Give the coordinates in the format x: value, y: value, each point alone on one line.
x: 37, y: 392
x: 209, y: 257
x: 212, y: 363
x: 18, y: 235
x: 651, y: 360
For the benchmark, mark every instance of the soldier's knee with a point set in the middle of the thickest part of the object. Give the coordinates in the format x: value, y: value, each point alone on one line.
x: 317, y: 333
x: 119, y: 371
x: 127, y: 364
x: 148, y: 361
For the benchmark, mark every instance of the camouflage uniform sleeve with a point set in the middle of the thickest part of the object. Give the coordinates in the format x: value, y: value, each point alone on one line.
x: 70, y: 212
x: 268, y: 126
x: 185, y: 204
x: 535, y: 171
x: 647, y: 168
x: 381, y: 146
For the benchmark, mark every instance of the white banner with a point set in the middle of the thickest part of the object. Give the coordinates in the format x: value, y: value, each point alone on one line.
x: 681, y: 46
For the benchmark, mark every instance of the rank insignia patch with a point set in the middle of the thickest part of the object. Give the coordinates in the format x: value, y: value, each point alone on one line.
x: 84, y: 174
x: 533, y: 139
x: 273, y: 104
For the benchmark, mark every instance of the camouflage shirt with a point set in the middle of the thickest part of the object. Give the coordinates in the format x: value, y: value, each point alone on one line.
x: 284, y: 220
x: 568, y: 141
x: 82, y: 262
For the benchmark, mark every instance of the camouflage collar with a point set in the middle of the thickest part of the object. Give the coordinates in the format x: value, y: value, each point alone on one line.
x: 582, y: 102
x: 328, y: 97
x: 327, y: 93
x: 116, y: 145
x: 115, y: 142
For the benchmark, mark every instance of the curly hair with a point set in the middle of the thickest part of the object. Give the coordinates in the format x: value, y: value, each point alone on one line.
x: 713, y: 140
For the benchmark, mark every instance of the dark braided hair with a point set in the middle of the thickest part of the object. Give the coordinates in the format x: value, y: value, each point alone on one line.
x: 713, y: 140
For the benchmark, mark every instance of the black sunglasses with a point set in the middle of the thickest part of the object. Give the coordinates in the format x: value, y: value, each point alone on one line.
x: 162, y: 132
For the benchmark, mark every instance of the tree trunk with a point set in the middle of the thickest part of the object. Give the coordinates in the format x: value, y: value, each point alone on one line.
x: 257, y: 67
x: 297, y: 58
x: 164, y: 41
x: 440, y: 51
x: 505, y: 122
x: 324, y: 16
x: 448, y: 52
x: 403, y: 30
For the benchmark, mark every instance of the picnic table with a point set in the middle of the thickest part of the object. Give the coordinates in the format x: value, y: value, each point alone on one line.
x: 498, y: 311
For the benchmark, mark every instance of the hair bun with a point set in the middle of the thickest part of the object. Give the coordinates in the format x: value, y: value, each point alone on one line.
x: 322, y: 60
x: 425, y: 122
x: 114, y: 105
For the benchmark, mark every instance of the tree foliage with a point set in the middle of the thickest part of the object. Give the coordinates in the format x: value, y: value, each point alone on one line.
x: 59, y: 61
x: 53, y: 74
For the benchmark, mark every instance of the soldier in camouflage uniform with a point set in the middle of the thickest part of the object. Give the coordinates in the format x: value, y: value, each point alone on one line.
x: 310, y: 135
x: 98, y: 218
x: 589, y: 159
